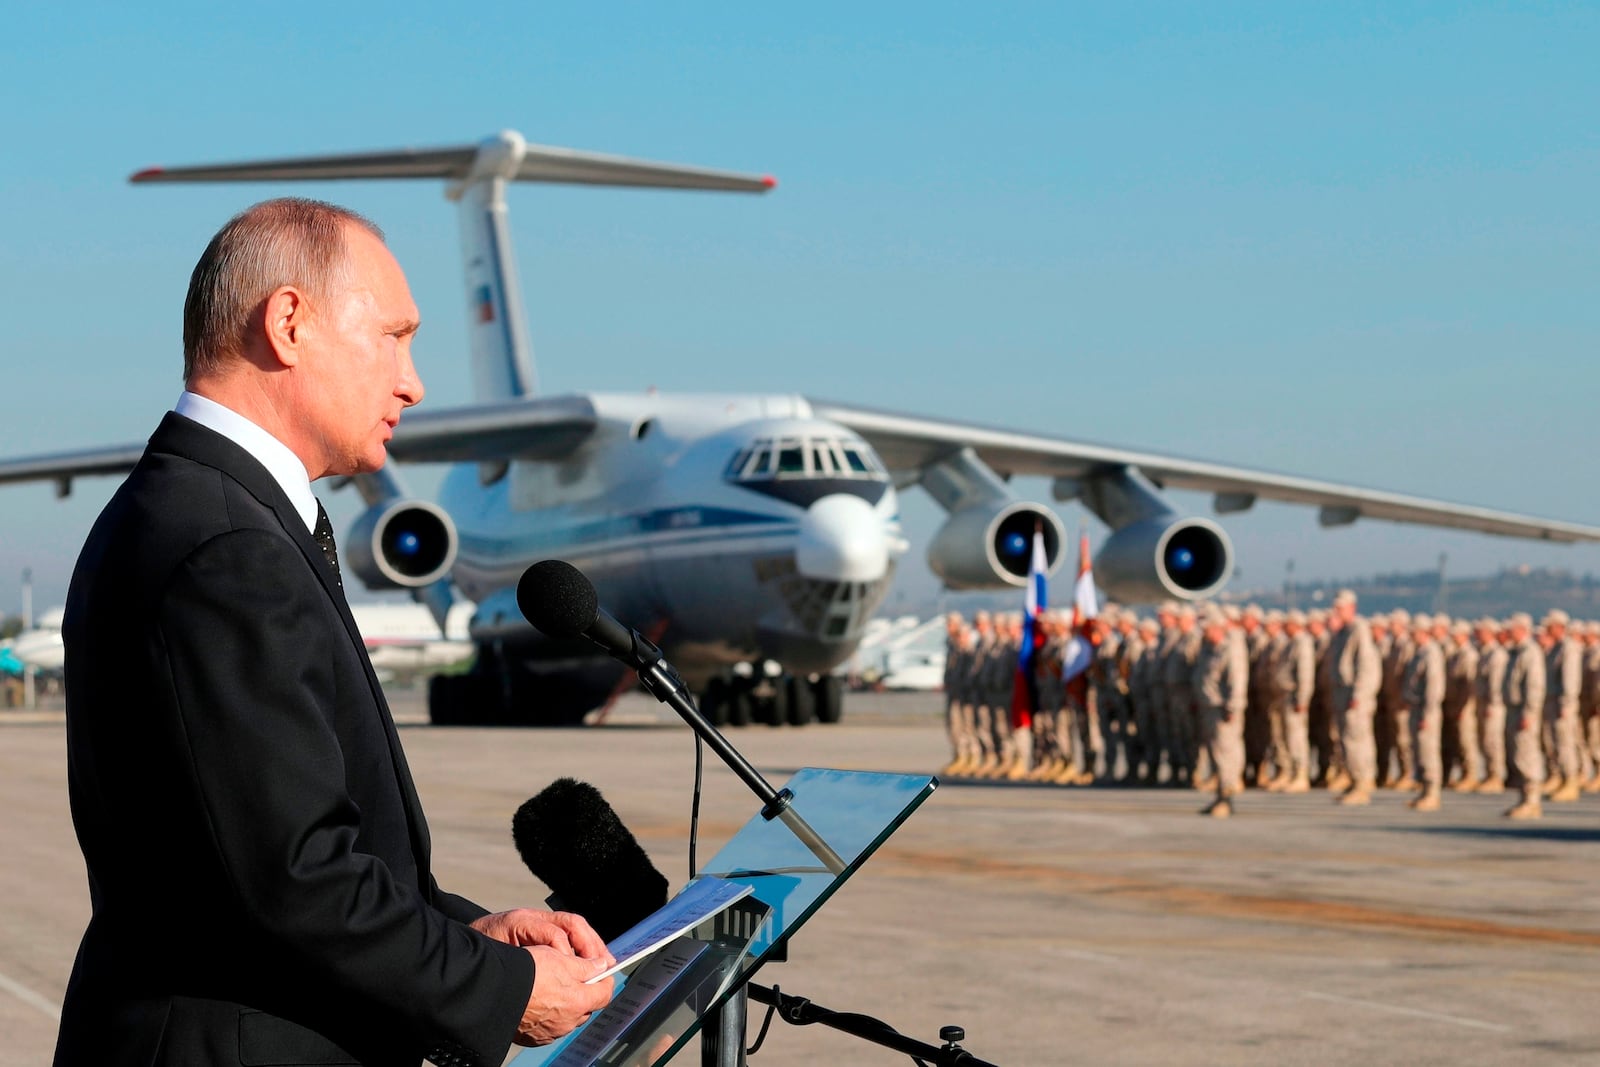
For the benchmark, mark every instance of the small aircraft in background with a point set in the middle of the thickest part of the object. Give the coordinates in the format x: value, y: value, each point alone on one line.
x: 898, y: 655
x: 40, y: 647
x: 751, y: 536
x: 404, y: 641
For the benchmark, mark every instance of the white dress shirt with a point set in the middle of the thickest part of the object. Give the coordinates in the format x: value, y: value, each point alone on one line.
x: 284, y: 466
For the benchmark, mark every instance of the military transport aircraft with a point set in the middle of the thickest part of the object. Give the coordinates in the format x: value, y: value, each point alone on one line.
x: 751, y: 536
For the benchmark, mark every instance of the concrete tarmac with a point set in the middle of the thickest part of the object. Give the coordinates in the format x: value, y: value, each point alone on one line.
x: 1056, y: 925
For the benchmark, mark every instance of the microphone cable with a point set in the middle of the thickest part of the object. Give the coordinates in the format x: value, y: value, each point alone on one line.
x: 694, y: 807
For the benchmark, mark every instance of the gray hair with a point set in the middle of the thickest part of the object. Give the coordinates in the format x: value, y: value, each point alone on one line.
x: 287, y: 241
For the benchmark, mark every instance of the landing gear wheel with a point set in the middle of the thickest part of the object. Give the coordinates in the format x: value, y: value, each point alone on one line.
x: 738, y: 706
x: 714, y: 702
x: 461, y: 701
x: 830, y: 698
x: 774, y: 710
x: 802, y: 700
x: 450, y: 700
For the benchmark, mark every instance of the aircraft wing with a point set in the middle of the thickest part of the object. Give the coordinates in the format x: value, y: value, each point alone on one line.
x: 547, y: 427
x: 544, y: 428
x: 907, y: 443
x: 62, y: 467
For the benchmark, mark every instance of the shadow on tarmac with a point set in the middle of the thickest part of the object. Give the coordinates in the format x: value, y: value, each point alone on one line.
x: 1524, y: 832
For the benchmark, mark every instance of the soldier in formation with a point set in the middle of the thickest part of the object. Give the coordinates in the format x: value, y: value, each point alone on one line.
x: 1221, y: 701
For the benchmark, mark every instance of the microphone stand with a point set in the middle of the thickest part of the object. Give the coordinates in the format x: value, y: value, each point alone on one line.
x: 722, y: 1044
x: 657, y: 676
x: 798, y: 1011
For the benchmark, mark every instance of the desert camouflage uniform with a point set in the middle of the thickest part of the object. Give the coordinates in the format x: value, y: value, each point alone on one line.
x: 1424, y: 692
x: 1221, y: 683
x: 1396, y: 665
x: 1493, y: 659
x: 1524, y: 700
x: 1563, y: 684
x: 1461, y: 748
x: 1355, y: 674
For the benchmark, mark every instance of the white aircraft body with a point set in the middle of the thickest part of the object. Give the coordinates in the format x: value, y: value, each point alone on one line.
x: 908, y: 654
x: 41, y: 647
x: 751, y: 536
x: 404, y: 640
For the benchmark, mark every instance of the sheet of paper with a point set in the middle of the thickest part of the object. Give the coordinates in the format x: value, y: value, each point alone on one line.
x: 644, y: 989
x: 699, y: 901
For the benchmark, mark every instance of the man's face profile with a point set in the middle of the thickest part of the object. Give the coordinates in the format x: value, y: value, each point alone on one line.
x: 358, y: 372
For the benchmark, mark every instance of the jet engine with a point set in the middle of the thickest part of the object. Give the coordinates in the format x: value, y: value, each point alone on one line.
x: 1164, y: 557
x: 401, y: 544
x: 990, y: 544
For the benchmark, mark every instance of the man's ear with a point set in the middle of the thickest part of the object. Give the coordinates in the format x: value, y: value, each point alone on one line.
x: 284, y: 317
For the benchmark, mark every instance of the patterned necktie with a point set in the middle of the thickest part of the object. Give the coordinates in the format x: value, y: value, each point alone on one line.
x: 324, y: 535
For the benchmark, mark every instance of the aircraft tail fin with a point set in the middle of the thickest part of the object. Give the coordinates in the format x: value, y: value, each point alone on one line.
x: 502, y: 356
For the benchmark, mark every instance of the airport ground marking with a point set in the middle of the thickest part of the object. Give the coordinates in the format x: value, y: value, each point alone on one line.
x: 1396, y: 1009
x: 29, y: 997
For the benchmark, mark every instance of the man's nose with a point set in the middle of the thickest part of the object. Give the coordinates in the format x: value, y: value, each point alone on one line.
x: 409, y: 388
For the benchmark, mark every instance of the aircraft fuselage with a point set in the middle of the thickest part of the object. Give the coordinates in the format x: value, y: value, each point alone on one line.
x: 728, y: 529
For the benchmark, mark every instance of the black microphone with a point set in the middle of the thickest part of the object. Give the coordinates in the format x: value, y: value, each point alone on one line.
x: 573, y: 842
x: 561, y: 603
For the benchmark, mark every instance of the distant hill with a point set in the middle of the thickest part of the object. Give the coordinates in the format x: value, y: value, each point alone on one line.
x: 1531, y: 589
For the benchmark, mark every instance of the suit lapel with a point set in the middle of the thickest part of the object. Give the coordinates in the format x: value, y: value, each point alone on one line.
x: 187, y: 438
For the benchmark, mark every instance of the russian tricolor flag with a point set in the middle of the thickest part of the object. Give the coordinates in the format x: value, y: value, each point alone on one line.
x: 1025, y: 690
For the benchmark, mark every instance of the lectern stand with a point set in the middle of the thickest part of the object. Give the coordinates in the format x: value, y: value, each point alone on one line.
x: 697, y: 985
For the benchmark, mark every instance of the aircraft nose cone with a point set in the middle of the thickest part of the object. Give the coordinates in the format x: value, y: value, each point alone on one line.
x: 842, y: 539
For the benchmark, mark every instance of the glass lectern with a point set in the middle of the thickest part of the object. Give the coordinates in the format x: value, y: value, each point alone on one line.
x: 674, y: 994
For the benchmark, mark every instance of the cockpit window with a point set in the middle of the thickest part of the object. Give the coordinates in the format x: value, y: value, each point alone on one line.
x: 810, y: 457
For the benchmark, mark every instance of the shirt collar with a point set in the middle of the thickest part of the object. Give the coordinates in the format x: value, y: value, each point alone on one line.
x: 284, y: 466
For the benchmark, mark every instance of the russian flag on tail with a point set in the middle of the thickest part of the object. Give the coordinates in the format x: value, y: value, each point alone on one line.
x: 1024, y: 689
x: 1085, y: 606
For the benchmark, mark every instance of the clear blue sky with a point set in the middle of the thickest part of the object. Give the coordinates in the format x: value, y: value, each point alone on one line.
x: 1359, y: 242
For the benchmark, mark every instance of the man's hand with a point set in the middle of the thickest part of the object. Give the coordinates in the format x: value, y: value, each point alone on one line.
x: 568, y: 933
x: 560, y: 1001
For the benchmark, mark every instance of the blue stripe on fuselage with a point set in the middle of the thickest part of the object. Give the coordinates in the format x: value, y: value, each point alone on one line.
x: 661, y: 523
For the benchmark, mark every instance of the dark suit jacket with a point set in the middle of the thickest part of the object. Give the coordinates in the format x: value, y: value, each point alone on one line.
x: 258, y: 861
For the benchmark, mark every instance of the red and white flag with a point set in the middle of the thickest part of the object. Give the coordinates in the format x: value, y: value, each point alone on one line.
x: 1085, y: 606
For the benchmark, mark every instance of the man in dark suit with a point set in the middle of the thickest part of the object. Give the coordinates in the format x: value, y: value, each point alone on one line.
x: 258, y: 861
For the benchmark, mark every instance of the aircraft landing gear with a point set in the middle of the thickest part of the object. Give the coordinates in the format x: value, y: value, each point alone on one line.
x: 780, y: 700
x: 501, y: 690
x: 830, y: 698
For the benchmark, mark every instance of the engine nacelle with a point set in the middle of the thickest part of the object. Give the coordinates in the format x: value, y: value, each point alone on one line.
x: 401, y: 544
x: 990, y: 545
x: 1164, y: 557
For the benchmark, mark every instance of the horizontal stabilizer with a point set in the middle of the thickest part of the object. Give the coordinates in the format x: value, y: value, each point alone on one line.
x: 401, y: 163
x: 530, y: 163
